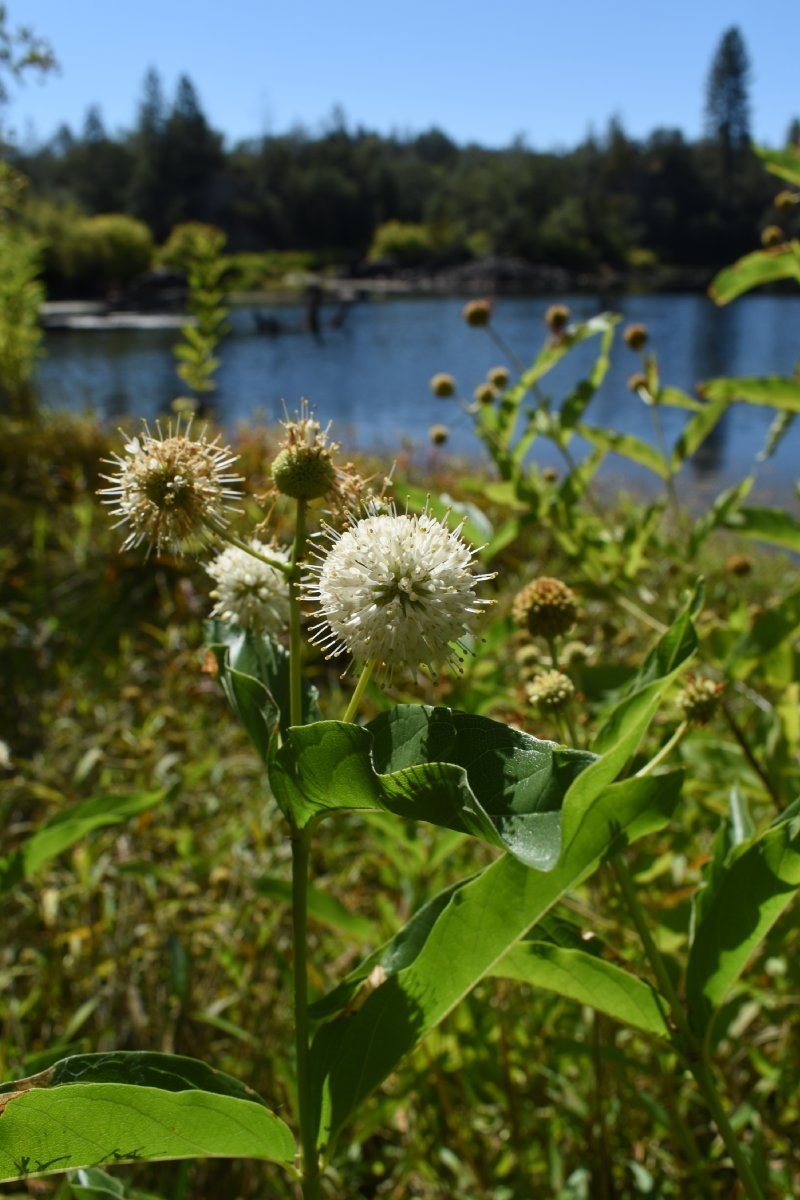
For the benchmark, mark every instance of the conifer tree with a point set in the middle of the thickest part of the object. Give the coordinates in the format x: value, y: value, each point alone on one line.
x: 727, y: 99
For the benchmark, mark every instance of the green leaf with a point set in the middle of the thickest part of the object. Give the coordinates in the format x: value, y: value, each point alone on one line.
x: 627, y: 446
x: 720, y: 511
x: 697, y: 430
x: 783, y: 163
x: 772, y: 525
x: 589, y: 980
x: 743, y: 900
x: 448, y: 768
x: 94, y: 1184
x: 755, y: 269
x: 68, y: 827
x: 254, y: 675
x: 411, y: 984
x: 769, y: 629
x: 95, y: 1109
x: 626, y: 723
x: 772, y: 391
x: 322, y: 907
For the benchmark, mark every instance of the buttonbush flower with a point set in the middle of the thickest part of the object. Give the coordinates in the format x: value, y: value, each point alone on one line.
x: 550, y: 691
x: 249, y: 592
x: 170, y: 488
x: 546, y: 607
x: 395, y: 589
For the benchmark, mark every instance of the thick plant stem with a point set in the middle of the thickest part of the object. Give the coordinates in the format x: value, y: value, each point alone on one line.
x: 309, y: 1164
x: 685, y: 1041
x: 295, y: 643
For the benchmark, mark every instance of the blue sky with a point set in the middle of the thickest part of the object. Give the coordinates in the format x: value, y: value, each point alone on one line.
x: 482, y: 70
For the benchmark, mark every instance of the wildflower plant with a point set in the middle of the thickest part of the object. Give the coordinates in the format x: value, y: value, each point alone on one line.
x: 391, y: 591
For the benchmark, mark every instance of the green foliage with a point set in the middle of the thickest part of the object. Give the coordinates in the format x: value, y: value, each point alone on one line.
x: 104, y: 253
x: 21, y: 294
x: 196, y: 250
x: 406, y: 244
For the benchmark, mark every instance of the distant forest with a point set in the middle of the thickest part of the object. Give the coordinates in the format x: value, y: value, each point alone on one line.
x: 346, y: 194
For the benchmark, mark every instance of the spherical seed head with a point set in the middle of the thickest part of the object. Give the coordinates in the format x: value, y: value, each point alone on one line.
x: 546, y: 608
x: 773, y: 235
x: 438, y: 434
x: 304, y: 467
x: 397, y: 589
x: 443, y: 385
x: 478, y: 313
x: 738, y: 564
x: 550, y: 691
x: 700, y: 699
x: 485, y: 393
x: 635, y: 337
x: 304, y: 473
x: 550, y: 475
x: 637, y: 382
x: 250, y: 593
x: 556, y: 318
x: 171, y: 489
x: 499, y: 378
x: 786, y: 200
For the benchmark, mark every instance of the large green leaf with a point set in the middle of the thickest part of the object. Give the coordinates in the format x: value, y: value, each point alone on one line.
x: 108, y: 1108
x: 68, y: 827
x: 411, y: 984
x: 743, y: 898
x: 590, y: 980
x: 254, y: 674
x: 772, y: 391
x: 756, y: 269
x: 448, y: 768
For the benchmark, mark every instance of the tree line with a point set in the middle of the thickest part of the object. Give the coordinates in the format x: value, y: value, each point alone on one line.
x: 612, y: 201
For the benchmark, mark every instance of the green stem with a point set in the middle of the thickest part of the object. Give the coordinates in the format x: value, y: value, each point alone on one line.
x: 309, y: 1164
x: 691, y: 1049
x: 225, y: 537
x: 295, y: 641
x: 665, y: 750
x: 358, y: 691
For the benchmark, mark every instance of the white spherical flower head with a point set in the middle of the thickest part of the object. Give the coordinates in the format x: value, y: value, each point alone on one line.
x: 249, y: 592
x: 170, y: 488
x: 397, y: 590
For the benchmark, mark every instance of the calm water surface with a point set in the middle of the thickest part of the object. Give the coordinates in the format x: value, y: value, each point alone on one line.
x: 371, y: 375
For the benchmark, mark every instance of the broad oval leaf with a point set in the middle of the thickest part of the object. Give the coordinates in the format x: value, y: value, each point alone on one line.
x: 437, y: 765
x: 97, y: 1109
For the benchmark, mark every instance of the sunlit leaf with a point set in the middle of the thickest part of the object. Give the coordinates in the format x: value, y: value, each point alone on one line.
x: 783, y: 163
x: 588, y: 980
x: 627, y: 446
x: 437, y: 765
x: 772, y: 391
x: 405, y: 989
x: 754, y: 270
x: 91, y: 1110
x: 697, y: 430
x: 773, y: 525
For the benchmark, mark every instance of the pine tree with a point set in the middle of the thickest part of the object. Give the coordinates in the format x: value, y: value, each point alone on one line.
x: 727, y: 99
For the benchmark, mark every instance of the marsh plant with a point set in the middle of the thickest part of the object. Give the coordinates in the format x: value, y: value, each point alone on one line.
x: 556, y: 894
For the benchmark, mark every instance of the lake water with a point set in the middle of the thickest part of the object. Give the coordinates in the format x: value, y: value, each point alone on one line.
x: 371, y: 375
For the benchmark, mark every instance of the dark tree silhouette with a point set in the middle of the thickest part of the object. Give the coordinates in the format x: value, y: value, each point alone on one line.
x: 727, y: 98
